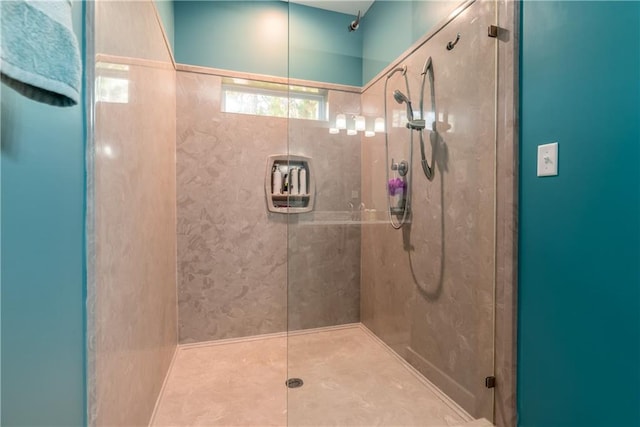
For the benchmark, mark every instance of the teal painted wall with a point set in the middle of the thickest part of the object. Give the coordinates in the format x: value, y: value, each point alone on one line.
x: 579, y: 273
x: 321, y: 47
x: 261, y: 36
x: 42, y: 169
x: 387, y: 30
x: 246, y: 36
x: 165, y: 9
x: 254, y: 36
x: 391, y: 27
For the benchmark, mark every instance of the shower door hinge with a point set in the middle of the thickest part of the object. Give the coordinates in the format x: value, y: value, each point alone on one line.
x: 492, y: 31
x: 490, y: 382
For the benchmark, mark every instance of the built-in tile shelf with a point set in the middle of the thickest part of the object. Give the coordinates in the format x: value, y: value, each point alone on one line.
x: 368, y: 216
x: 290, y: 198
x: 289, y: 184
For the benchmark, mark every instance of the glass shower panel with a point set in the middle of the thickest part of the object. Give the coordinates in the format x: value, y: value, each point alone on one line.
x: 323, y: 258
x: 390, y: 276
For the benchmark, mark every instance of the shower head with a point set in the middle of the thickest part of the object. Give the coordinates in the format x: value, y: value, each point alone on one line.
x: 355, y: 24
x: 400, y: 98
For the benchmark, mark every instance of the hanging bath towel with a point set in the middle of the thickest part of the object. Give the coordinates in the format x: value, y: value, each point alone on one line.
x: 40, y: 56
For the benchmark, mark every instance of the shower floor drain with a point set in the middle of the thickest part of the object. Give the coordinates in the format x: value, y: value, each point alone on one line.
x: 294, y: 382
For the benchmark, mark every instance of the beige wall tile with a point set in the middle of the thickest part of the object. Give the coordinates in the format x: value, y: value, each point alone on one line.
x: 132, y: 300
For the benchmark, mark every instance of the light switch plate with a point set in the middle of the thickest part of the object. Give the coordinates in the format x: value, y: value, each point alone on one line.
x: 548, y: 159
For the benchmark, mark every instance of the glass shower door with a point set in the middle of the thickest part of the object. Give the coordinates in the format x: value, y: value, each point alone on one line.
x: 323, y: 258
x: 390, y: 276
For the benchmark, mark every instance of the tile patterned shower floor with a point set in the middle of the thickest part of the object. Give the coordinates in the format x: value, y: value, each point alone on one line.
x: 350, y: 379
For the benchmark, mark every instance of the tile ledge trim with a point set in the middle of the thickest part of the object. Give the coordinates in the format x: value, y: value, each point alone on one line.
x: 265, y: 336
x: 465, y: 396
x: 266, y: 78
x: 149, y: 63
x: 164, y: 385
x: 432, y: 387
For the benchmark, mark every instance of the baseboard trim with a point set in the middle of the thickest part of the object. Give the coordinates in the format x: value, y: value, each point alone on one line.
x: 164, y: 385
x: 266, y: 336
x: 459, y: 410
x: 448, y: 385
x: 431, y: 386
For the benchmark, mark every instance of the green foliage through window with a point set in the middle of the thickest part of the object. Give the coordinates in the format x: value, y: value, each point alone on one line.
x: 273, y: 99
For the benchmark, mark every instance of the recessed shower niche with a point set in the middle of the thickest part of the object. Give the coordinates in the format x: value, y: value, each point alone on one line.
x: 289, y: 184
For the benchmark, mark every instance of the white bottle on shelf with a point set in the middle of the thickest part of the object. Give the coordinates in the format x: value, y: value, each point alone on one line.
x: 277, y: 180
x: 293, y: 179
x: 303, y: 181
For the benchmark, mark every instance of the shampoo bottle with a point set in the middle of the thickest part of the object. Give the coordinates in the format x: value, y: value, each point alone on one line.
x: 293, y: 176
x: 277, y: 180
x: 303, y: 181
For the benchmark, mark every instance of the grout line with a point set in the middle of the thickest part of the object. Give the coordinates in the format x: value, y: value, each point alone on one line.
x: 177, y: 348
x: 266, y: 336
x: 323, y: 329
x: 432, y: 387
x: 164, y: 386
x: 226, y: 341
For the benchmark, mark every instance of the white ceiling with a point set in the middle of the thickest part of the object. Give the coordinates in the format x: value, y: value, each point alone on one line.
x: 350, y: 7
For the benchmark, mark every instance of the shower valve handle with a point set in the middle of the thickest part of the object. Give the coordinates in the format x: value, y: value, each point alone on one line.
x: 401, y: 167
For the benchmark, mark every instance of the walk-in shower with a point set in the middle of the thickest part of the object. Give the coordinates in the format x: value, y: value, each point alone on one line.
x: 255, y: 218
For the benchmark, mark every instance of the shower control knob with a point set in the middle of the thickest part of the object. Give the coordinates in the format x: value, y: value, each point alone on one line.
x: 402, y: 167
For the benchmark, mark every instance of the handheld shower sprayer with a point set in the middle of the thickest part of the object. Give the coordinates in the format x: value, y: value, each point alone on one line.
x: 411, y: 122
x: 400, y: 98
x: 355, y: 24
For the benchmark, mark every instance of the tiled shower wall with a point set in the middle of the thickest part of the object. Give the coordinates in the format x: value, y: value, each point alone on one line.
x: 428, y: 289
x: 132, y: 272
x: 240, y: 272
